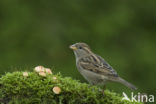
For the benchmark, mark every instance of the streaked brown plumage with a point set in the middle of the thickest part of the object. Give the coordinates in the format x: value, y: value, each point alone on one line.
x: 94, y: 68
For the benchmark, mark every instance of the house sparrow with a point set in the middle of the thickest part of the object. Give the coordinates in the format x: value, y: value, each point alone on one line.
x: 94, y: 68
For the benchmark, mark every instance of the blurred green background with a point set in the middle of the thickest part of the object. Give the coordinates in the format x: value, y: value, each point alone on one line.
x: 39, y: 32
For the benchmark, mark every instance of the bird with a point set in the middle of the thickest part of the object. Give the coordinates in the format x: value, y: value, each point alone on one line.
x: 94, y: 68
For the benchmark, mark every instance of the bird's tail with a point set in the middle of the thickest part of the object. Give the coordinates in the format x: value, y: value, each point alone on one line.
x: 124, y: 82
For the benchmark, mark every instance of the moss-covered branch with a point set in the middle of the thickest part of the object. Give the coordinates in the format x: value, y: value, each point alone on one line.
x: 20, y: 88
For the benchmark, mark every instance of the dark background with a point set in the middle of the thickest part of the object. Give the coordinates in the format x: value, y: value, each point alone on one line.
x: 39, y: 32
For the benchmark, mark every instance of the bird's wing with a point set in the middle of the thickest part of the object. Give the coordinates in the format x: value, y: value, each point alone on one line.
x: 97, y: 65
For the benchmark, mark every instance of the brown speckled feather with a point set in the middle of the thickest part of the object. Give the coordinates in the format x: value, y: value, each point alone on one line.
x: 97, y: 64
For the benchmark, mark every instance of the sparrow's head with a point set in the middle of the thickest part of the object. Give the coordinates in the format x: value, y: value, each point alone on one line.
x: 80, y: 49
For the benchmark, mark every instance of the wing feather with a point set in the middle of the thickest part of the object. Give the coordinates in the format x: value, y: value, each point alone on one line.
x: 98, y: 65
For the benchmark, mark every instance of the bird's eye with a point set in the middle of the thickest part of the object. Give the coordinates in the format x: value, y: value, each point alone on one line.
x: 80, y: 47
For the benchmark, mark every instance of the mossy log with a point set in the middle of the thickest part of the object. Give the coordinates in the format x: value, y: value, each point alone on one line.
x: 15, y: 88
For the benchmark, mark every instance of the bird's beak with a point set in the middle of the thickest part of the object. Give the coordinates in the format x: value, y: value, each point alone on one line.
x: 73, y: 47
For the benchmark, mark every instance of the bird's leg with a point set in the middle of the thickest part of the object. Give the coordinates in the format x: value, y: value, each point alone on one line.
x: 102, y: 89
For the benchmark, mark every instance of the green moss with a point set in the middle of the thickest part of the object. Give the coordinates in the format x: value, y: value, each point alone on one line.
x: 35, y: 89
